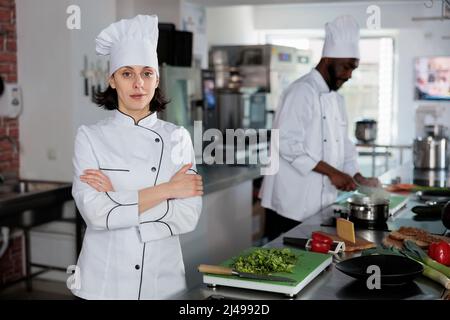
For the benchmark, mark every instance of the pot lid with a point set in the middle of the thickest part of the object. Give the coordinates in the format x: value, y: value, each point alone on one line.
x: 362, y: 199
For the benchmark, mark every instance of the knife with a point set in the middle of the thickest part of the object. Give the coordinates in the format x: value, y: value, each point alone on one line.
x: 204, y: 268
x: 296, y: 242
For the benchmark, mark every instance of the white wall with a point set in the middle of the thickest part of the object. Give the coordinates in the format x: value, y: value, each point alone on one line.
x: 50, y: 60
x: 44, y: 72
x: 95, y: 17
x: 231, y: 25
x: 167, y: 10
x: 412, y: 39
x: 193, y: 19
x: 394, y: 14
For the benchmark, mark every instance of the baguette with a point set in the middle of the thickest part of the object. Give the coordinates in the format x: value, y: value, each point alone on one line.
x: 395, y: 235
x: 443, y: 238
x: 421, y: 237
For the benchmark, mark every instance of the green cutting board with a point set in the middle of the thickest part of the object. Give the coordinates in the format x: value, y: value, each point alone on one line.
x: 309, y: 265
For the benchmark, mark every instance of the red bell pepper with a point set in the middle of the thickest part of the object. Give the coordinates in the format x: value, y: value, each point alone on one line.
x: 440, y: 251
x: 432, y: 250
x: 322, y: 247
x: 322, y: 238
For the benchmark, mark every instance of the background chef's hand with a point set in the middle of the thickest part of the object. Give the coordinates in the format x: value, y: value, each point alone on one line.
x: 342, y: 181
x: 185, y: 185
x: 97, y: 180
x: 370, y: 182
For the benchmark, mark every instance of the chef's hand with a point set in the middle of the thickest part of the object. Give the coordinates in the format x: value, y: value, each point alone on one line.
x: 97, y: 180
x: 185, y: 185
x: 342, y: 181
x: 370, y: 182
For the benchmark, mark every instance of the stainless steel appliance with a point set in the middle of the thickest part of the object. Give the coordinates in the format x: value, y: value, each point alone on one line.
x: 435, y: 130
x: 430, y: 152
x: 210, y: 105
x: 254, y: 110
x: 267, y: 69
x: 237, y: 113
x: 182, y: 86
x: 430, y: 178
x: 229, y: 110
x: 366, y: 130
x: 239, y: 110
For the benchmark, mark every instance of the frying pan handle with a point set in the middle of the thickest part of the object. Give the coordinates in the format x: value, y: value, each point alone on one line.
x: 446, y: 215
x: 430, y: 210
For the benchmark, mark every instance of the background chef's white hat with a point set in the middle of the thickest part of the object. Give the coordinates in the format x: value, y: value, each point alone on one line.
x: 341, y: 38
x: 130, y: 42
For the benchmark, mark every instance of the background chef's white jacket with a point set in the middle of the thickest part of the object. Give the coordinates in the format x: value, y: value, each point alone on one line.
x: 312, y: 124
x: 126, y: 255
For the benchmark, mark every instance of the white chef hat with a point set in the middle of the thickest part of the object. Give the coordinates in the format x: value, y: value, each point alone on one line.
x: 341, y: 38
x: 130, y: 42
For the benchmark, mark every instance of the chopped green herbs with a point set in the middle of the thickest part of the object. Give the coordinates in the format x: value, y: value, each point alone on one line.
x: 266, y: 261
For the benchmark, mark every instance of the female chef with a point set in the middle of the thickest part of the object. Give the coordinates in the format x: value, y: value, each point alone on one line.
x: 135, y: 183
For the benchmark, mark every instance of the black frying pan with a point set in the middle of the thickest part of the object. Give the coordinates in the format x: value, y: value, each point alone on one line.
x: 430, y: 211
x: 440, y: 195
x: 436, y: 210
x: 394, y: 269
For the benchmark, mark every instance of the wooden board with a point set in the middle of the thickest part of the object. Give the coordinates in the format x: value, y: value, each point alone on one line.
x: 360, y: 243
x: 309, y: 265
x: 388, y: 242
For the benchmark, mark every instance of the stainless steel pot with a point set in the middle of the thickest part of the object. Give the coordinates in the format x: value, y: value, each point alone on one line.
x: 435, y: 130
x: 430, y: 153
x: 368, y: 209
x: 366, y: 130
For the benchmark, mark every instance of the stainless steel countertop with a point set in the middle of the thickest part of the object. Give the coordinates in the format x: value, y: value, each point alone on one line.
x: 331, y: 284
x: 218, y: 177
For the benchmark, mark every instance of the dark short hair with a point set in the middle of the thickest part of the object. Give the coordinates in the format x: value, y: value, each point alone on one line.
x: 108, y: 100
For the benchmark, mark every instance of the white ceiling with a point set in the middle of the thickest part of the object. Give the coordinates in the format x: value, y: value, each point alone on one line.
x: 216, y: 3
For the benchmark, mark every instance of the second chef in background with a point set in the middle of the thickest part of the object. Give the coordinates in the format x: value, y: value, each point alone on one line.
x: 317, y: 157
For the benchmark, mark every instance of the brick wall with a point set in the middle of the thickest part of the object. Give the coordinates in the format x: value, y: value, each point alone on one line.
x: 9, y: 160
x: 12, y: 266
x: 12, y: 262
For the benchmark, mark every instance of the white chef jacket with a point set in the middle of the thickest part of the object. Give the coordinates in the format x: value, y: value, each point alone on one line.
x: 312, y: 124
x: 126, y: 255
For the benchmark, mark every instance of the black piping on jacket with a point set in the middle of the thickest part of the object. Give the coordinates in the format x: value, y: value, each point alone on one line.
x: 118, y: 205
x: 156, y: 179
x: 193, y: 170
x: 109, y: 169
